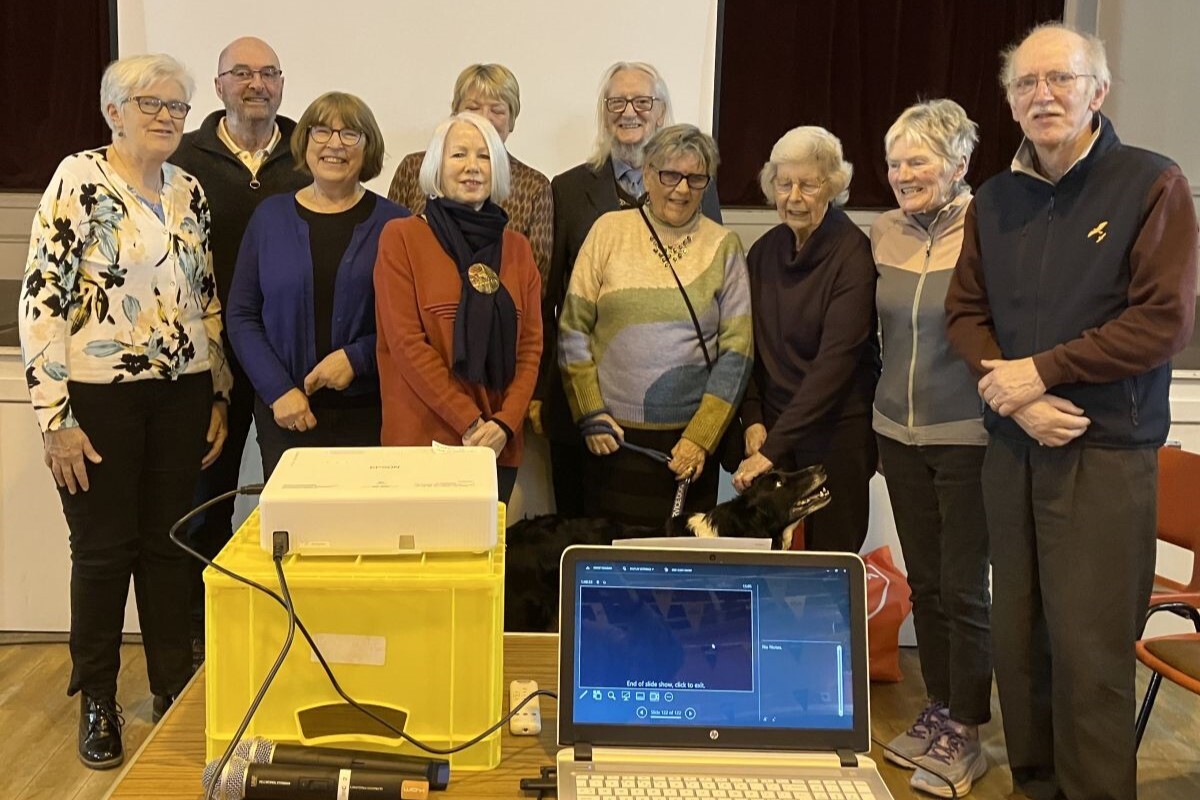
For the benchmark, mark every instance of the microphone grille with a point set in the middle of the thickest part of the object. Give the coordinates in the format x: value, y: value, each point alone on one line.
x: 233, y: 784
x: 261, y: 750
x: 242, y: 749
x: 210, y: 773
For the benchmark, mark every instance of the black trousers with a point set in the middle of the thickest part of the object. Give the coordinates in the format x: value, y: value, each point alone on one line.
x: 567, y: 460
x: 850, y: 455
x: 635, y: 489
x: 336, y: 427
x: 151, y: 437
x: 211, y: 530
x: 1073, y: 549
x: 937, y: 502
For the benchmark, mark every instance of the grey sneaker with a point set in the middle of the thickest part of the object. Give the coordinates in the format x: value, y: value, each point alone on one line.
x: 956, y: 756
x: 915, y: 742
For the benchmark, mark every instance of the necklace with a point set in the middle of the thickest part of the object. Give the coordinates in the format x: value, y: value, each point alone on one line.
x: 674, y: 251
x: 124, y: 171
x: 323, y: 204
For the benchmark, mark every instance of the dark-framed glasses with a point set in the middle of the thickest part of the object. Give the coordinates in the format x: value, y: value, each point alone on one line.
x: 807, y: 188
x: 671, y: 178
x: 152, y: 105
x: 323, y: 133
x: 1056, y: 81
x: 617, y: 105
x: 245, y: 74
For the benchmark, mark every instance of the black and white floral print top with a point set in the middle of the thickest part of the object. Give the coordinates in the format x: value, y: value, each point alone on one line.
x: 113, y: 294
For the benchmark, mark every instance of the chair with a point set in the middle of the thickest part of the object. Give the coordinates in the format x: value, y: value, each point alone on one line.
x: 1179, y: 521
x: 1176, y: 657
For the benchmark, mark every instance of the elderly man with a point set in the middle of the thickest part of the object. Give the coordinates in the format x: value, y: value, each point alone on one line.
x: 1074, y: 289
x: 633, y: 104
x: 240, y: 155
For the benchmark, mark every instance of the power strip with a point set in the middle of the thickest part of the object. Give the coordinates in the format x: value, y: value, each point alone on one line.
x: 527, y: 721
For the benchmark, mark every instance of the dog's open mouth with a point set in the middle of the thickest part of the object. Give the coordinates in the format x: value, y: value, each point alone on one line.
x: 810, y: 503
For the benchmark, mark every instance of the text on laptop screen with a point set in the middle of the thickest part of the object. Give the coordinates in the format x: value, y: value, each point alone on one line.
x: 712, y: 645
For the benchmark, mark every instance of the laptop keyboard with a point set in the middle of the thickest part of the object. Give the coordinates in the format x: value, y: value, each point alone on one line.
x: 712, y: 787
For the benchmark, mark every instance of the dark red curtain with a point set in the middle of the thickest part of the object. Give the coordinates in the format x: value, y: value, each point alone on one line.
x: 52, y: 54
x: 852, y: 66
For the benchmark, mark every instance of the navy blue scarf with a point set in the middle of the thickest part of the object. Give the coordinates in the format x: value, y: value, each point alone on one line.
x: 485, y: 327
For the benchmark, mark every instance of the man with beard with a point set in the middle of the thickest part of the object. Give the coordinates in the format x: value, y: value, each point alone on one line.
x: 240, y: 156
x: 633, y: 104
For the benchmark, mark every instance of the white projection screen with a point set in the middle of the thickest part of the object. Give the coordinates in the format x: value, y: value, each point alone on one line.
x: 402, y: 58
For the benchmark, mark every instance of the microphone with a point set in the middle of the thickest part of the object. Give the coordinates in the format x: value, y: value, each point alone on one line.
x: 260, y: 750
x: 241, y: 780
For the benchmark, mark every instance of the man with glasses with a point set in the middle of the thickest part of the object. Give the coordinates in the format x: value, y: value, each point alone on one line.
x: 236, y: 156
x: 1074, y: 289
x: 633, y: 104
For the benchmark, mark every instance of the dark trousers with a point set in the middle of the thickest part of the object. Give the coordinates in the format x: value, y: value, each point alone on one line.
x: 336, y: 427
x: 151, y: 437
x: 635, y: 489
x: 937, y: 502
x: 567, y: 460
x: 212, y: 529
x: 1073, y: 549
x: 849, y: 455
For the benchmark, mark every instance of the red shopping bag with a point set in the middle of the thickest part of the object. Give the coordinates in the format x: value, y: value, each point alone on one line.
x: 889, y: 601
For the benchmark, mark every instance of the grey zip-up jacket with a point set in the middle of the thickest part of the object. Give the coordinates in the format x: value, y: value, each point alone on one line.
x: 926, y: 395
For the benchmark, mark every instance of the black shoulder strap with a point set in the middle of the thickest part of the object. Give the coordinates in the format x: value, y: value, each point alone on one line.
x: 679, y: 283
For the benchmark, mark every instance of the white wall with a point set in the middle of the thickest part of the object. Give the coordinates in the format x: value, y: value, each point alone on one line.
x: 402, y: 58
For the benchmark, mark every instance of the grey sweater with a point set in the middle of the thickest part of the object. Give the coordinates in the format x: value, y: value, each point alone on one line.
x: 926, y: 395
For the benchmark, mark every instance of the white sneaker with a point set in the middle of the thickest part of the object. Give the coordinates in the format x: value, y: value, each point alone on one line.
x: 954, y: 755
x: 916, y: 741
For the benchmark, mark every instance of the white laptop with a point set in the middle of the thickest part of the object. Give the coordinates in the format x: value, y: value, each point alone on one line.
x: 685, y: 673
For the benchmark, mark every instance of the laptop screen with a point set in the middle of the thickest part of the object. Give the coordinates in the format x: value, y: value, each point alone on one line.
x: 724, y: 649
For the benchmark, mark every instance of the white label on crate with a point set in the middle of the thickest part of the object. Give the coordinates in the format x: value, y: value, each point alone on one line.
x: 340, y: 648
x: 343, y: 781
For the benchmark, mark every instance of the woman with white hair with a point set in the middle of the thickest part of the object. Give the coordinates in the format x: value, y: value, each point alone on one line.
x: 929, y: 421
x: 812, y: 284
x: 121, y: 336
x: 458, y: 301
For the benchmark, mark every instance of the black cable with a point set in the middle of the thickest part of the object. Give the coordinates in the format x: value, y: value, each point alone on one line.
x: 257, y: 489
x: 907, y: 760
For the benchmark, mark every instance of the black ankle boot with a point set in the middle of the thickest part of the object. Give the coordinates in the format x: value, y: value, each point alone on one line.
x: 100, y: 724
x: 161, y: 703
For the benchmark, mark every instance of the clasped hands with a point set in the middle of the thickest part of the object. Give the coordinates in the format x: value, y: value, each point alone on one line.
x: 292, y: 410
x: 1015, y: 389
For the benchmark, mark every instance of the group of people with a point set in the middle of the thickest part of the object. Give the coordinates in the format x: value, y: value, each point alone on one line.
x: 999, y: 357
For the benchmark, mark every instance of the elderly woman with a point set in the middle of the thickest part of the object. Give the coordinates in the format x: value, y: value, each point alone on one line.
x: 121, y: 335
x: 302, y: 304
x: 632, y: 104
x: 931, y: 439
x: 491, y: 91
x: 812, y: 282
x: 459, y: 306
x: 655, y: 338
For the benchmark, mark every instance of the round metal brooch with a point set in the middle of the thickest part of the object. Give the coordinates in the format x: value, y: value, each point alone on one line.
x: 483, y: 278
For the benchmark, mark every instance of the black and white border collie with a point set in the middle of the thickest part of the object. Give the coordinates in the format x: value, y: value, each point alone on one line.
x: 769, y: 508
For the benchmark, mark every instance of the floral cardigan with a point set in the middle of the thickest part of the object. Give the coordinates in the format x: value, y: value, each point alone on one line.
x: 113, y: 294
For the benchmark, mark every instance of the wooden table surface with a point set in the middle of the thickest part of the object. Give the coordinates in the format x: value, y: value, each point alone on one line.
x: 170, y: 763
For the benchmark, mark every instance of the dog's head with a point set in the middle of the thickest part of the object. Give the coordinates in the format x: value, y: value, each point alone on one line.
x: 774, y: 501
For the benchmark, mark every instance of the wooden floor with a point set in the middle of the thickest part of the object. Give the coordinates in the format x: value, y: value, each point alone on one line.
x: 38, y: 724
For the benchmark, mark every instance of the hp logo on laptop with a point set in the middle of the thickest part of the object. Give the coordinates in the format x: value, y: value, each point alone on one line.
x: 714, y: 735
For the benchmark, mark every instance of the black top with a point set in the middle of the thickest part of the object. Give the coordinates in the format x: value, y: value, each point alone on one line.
x: 328, y: 238
x: 816, y: 355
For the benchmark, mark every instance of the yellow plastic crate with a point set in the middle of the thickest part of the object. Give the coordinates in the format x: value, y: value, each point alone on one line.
x: 422, y: 633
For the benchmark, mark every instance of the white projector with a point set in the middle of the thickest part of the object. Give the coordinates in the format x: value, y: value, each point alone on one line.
x: 382, y: 500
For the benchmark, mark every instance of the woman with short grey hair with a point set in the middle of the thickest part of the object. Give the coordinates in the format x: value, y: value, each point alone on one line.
x: 812, y: 284
x: 121, y: 336
x: 927, y: 417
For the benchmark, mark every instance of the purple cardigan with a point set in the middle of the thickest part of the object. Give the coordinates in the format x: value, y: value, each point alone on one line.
x: 270, y: 313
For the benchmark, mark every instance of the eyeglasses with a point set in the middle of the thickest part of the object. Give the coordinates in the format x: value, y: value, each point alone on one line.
x: 323, y: 133
x: 670, y: 178
x: 244, y: 74
x: 617, y: 105
x: 152, y: 105
x: 1056, y: 81
x: 807, y: 188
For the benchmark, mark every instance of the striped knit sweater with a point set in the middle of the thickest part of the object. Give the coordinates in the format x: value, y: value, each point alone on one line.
x: 627, y: 344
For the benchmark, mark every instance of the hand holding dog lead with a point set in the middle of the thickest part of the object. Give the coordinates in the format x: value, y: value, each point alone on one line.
x: 749, y: 469
x: 687, y: 459
x: 604, y: 444
x: 1010, y: 385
